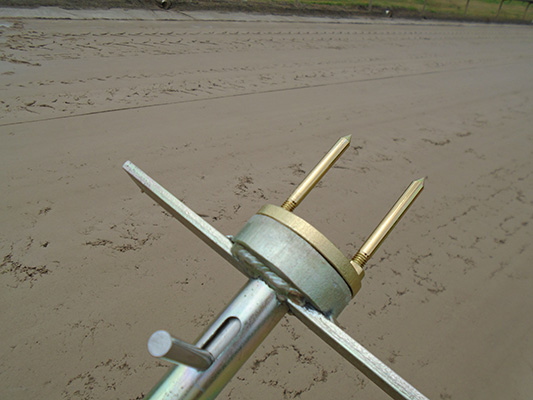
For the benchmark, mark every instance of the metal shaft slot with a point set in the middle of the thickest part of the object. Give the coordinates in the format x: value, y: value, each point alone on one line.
x: 223, y: 336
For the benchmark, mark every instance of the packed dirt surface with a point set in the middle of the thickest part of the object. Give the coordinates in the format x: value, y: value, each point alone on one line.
x: 229, y: 116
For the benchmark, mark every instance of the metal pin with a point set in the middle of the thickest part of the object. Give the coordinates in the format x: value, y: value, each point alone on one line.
x: 317, y: 173
x: 163, y: 345
x: 377, y: 237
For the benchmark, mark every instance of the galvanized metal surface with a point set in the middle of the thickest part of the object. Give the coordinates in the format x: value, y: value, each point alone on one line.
x: 388, y: 380
x: 192, y: 221
x: 258, y: 270
x: 278, y: 253
x: 162, y: 345
x: 293, y: 259
x: 258, y: 310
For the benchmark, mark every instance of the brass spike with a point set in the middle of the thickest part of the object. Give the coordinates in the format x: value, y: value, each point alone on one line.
x: 317, y: 173
x: 381, y: 232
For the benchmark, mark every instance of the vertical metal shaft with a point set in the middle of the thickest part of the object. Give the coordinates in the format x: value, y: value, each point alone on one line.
x: 377, y: 237
x: 317, y: 173
x: 258, y: 311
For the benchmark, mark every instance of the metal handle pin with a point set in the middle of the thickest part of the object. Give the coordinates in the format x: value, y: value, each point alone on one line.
x: 162, y: 345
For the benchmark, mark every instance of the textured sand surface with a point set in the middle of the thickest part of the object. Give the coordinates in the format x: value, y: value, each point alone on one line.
x: 228, y: 117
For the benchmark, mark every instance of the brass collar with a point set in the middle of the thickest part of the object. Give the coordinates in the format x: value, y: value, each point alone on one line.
x: 320, y: 243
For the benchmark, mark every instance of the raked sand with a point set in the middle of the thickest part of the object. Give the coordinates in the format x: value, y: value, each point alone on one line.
x: 229, y: 116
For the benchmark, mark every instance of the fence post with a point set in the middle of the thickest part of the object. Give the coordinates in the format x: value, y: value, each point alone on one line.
x: 525, y: 12
x: 466, y: 7
x: 499, y: 8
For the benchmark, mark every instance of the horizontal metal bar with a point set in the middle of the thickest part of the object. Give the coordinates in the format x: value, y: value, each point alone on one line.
x: 214, y: 239
x: 388, y: 380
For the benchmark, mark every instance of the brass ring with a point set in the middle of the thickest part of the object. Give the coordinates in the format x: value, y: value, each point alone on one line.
x: 319, y: 242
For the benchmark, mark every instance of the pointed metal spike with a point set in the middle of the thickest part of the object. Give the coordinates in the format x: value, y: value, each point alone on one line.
x: 385, y: 227
x: 317, y: 173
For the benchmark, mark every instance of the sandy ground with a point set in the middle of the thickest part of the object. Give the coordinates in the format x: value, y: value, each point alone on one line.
x: 229, y: 116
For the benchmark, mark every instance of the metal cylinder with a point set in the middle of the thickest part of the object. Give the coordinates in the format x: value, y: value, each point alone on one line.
x: 258, y: 310
x: 297, y: 262
x: 162, y: 345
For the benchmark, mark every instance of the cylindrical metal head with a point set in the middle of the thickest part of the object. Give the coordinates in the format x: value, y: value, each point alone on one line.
x: 162, y: 345
x: 301, y: 257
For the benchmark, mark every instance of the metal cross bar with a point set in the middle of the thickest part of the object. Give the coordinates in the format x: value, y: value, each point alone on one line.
x: 192, y: 221
x: 374, y: 369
